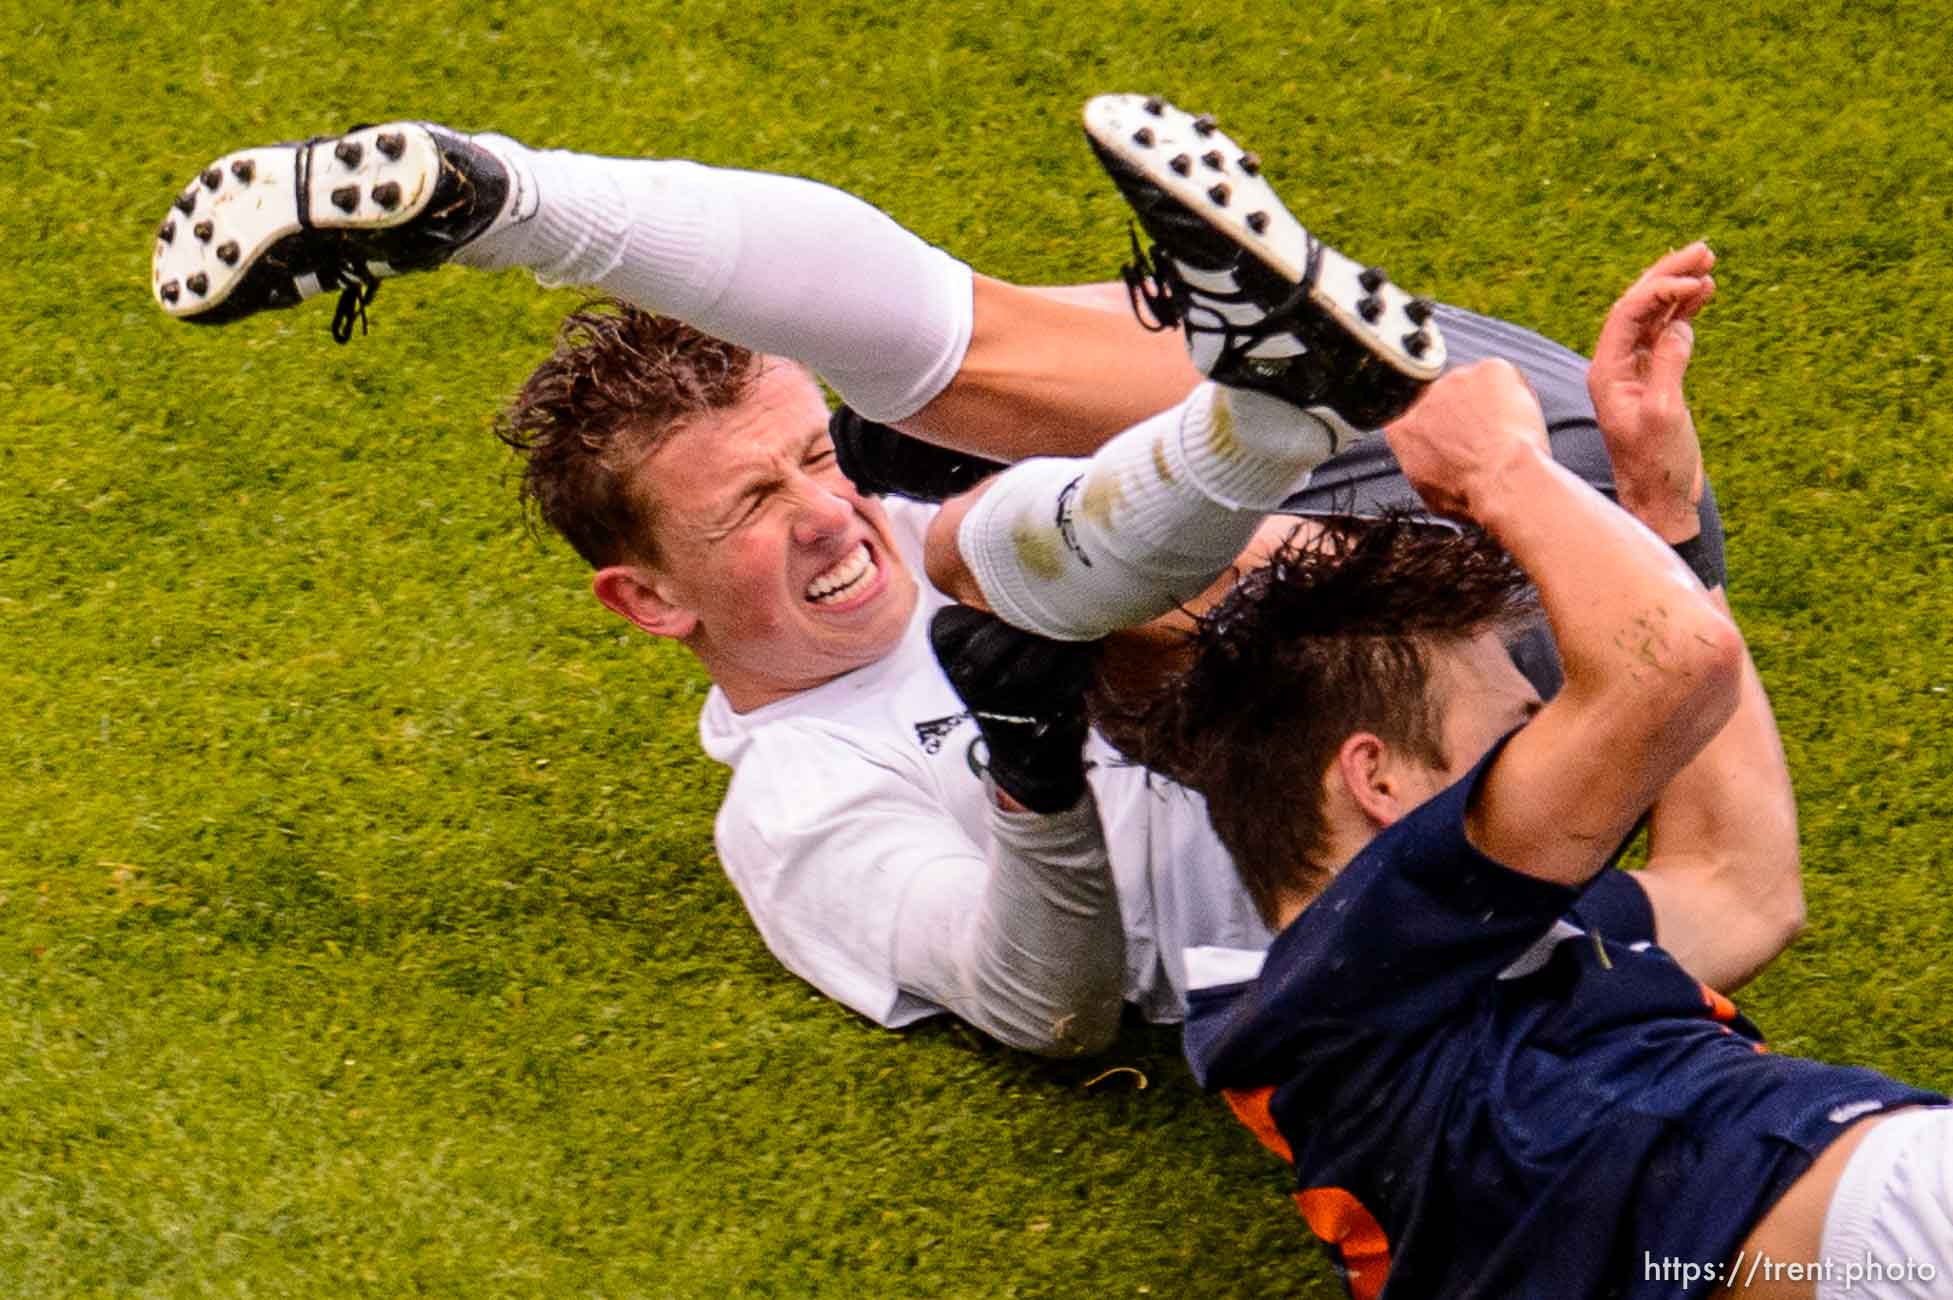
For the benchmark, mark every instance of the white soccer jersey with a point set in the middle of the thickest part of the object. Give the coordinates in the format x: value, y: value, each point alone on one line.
x: 846, y: 797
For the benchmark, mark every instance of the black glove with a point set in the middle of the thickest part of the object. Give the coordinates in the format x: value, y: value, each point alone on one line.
x: 1027, y: 694
x: 879, y: 460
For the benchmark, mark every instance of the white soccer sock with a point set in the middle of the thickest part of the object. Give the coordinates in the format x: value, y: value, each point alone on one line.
x: 1074, y: 549
x: 774, y: 263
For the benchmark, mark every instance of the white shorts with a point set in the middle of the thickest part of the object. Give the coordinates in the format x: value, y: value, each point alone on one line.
x: 1889, y: 1232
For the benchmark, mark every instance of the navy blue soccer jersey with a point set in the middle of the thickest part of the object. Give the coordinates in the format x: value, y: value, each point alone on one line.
x: 1495, y: 1086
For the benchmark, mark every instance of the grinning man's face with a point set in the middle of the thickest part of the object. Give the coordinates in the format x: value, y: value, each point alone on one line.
x: 771, y: 567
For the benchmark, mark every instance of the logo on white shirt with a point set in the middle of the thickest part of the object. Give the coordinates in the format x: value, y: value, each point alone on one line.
x: 930, y: 734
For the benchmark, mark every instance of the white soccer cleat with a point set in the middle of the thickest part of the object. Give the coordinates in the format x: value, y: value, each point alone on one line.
x: 269, y: 227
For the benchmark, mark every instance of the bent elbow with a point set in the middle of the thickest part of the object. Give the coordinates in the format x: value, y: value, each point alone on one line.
x: 1712, y: 658
x: 1787, y: 918
x: 1768, y: 935
x: 1764, y: 924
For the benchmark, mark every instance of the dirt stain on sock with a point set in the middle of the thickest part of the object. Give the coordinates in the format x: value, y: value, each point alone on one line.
x: 1162, y: 466
x: 1221, y: 437
x: 1038, y: 550
x: 1104, y: 494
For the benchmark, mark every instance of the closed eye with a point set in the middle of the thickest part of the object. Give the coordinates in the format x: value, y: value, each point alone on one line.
x: 743, y: 510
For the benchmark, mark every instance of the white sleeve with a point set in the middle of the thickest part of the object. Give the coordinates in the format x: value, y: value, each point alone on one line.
x: 864, y: 886
x: 1038, y: 959
x: 822, y: 844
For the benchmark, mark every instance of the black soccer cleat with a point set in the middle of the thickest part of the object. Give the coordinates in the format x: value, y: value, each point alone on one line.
x: 271, y: 226
x: 1265, y: 305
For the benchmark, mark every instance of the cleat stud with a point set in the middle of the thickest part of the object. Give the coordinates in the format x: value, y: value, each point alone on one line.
x: 1417, y: 344
x: 1372, y: 279
x: 213, y: 176
x: 1219, y: 194
x: 390, y: 143
x: 387, y: 194
x: 346, y: 198
x: 1155, y: 105
x: 244, y: 169
x: 186, y: 202
x: 1251, y: 163
x: 1418, y: 309
x: 1258, y: 222
x: 348, y: 152
x: 1181, y: 164
x: 167, y: 232
x: 1369, y: 307
x: 227, y: 252
x: 203, y: 230
x: 1205, y: 124
x: 1213, y: 159
x: 198, y: 283
x: 170, y: 291
x: 1143, y: 137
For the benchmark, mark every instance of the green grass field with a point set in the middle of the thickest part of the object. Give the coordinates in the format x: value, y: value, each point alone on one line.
x: 360, y: 930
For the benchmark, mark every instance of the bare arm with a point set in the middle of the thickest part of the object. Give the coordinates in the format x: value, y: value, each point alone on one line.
x: 1723, y: 871
x: 1653, y: 666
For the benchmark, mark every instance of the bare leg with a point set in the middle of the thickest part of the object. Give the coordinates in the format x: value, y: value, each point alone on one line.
x: 1053, y: 372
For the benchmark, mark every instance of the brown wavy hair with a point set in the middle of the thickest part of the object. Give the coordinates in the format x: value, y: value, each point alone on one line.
x: 1333, y: 636
x: 620, y: 382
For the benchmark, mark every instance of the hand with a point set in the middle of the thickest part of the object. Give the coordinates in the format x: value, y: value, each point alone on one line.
x: 1636, y: 385
x: 1027, y: 694
x: 1454, y: 444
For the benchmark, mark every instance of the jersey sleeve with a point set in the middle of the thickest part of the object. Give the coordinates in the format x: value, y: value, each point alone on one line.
x: 1616, y: 907
x: 823, y: 844
x: 1416, y: 923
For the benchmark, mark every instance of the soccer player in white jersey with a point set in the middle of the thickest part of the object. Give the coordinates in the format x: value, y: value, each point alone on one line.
x: 697, y: 478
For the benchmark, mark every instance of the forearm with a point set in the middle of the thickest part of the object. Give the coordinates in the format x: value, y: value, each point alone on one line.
x: 1036, y: 956
x: 1723, y: 872
x: 1652, y: 666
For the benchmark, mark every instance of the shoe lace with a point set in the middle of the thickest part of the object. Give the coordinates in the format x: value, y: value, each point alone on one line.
x: 1151, y: 294
x: 358, y: 287
x: 1155, y: 283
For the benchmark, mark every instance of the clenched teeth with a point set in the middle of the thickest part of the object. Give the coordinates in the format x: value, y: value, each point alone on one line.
x: 841, y: 581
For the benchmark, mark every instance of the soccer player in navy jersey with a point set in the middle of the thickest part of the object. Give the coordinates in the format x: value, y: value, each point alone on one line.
x: 1472, y: 1035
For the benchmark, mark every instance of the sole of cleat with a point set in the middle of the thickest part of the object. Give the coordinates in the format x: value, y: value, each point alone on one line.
x: 214, y: 234
x: 1193, y: 163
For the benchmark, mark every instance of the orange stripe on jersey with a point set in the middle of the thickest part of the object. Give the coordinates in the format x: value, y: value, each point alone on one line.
x: 1334, y: 1215
x: 1720, y: 1007
x: 1353, y: 1233
x: 1251, y: 1108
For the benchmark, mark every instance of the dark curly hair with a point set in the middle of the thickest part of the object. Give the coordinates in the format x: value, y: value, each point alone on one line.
x: 1333, y: 636
x: 619, y: 383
